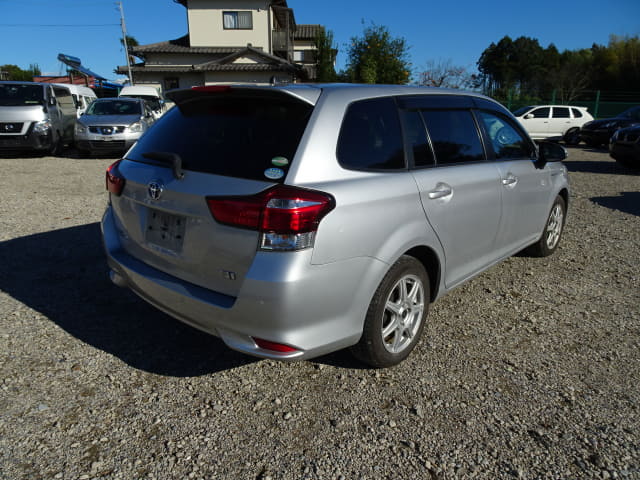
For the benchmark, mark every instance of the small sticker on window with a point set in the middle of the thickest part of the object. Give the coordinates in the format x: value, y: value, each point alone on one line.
x: 279, y: 161
x: 274, y: 173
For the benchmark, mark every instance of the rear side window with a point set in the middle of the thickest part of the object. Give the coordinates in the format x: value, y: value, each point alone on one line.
x: 370, y: 136
x: 454, y: 136
x: 576, y: 113
x: 254, y: 138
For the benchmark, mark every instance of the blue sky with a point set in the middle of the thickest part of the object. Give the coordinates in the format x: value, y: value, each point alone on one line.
x: 35, y: 31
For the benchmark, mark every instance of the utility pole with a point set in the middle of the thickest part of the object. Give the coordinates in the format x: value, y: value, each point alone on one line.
x: 124, y: 38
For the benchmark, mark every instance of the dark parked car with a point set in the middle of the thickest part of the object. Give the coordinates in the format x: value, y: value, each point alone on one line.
x: 599, y: 132
x: 625, y: 147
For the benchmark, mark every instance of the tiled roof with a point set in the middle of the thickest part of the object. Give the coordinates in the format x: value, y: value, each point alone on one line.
x: 212, y: 67
x: 179, y: 45
x: 307, y: 32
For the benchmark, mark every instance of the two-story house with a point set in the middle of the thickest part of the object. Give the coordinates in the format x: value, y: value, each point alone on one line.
x: 230, y: 41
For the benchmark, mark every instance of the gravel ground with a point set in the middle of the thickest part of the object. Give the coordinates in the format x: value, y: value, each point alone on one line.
x: 529, y: 371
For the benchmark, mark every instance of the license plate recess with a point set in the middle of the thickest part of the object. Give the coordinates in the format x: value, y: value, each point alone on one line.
x: 165, y: 230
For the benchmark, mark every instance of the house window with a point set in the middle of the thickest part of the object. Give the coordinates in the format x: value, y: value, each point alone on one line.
x: 304, y: 56
x: 171, y: 82
x: 237, y: 20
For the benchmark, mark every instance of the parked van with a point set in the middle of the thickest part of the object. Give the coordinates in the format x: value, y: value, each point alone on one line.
x: 148, y: 93
x: 36, y: 116
x: 82, y: 96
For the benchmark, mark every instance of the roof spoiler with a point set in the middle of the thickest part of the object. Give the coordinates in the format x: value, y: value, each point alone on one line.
x: 182, y: 95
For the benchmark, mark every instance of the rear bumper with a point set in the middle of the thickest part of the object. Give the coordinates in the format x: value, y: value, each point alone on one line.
x: 284, y: 299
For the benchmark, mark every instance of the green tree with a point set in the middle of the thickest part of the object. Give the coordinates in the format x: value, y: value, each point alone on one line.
x: 377, y: 57
x: 131, y: 41
x: 326, y: 56
x: 13, y: 72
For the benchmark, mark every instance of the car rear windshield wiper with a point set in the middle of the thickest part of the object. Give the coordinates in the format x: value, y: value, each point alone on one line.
x: 168, y: 157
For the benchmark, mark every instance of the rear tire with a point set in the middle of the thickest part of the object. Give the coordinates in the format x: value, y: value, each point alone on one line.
x: 550, y: 238
x: 396, y: 315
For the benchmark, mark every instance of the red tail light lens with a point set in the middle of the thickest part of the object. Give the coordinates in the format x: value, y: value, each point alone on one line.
x: 287, y: 217
x: 114, y: 179
x: 274, y: 347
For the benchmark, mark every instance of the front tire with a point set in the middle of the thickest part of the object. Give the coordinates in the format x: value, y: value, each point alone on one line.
x: 396, y: 315
x: 550, y: 238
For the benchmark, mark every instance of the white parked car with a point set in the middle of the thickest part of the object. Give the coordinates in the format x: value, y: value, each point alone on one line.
x: 549, y: 121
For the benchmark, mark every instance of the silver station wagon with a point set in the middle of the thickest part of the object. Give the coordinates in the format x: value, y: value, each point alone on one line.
x: 293, y: 221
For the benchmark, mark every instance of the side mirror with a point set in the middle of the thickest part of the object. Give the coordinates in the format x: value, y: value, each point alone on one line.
x: 528, y: 116
x: 52, y: 101
x: 550, y: 152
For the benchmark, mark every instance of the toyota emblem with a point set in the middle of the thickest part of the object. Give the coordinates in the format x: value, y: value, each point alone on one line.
x: 155, y: 189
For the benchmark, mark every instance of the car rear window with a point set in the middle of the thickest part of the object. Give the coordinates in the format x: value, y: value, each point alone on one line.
x: 231, y: 135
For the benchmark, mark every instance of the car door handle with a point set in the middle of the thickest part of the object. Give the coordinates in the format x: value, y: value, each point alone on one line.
x: 510, y: 180
x: 441, y: 190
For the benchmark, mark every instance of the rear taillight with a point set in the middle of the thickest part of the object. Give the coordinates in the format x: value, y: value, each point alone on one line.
x: 286, y: 217
x: 115, y: 180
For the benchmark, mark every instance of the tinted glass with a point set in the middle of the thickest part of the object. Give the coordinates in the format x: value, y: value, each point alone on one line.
x: 541, y: 112
x: 114, y: 107
x: 417, y: 139
x: 506, y: 140
x: 521, y: 111
x: 632, y: 113
x: 370, y: 136
x: 14, y: 94
x: 230, y: 135
x: 561, y: 112
x: 454, y: 136
x: 576, y: 113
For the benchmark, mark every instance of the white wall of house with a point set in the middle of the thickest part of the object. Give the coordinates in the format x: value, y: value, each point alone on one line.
x: 207, y: 28
x: 213, y: 78
x: 178, y: 59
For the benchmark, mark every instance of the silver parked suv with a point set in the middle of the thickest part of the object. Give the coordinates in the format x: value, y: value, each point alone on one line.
x: 298, y: 220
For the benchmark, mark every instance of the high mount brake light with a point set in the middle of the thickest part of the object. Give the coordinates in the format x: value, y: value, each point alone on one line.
x: 114, y: 179
x: 287, y: 217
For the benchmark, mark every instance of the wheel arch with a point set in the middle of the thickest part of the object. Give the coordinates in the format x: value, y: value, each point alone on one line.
x: 429, y: 259
x: 564, y: 193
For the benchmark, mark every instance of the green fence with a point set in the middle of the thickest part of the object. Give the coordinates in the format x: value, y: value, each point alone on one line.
x: 601, y: 104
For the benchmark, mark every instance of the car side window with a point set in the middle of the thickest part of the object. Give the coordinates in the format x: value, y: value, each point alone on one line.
x: 576, y: 113
x: 506, y: 140
x: 561, y: 112
x: 370, y: 136
x: 454, y: 136
x: 541, y: 112
x: 416, y: 137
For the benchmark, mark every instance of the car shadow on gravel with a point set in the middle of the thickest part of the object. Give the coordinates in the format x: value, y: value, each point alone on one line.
x: 627, y: 202
x: 63, y: 275
x: 609, y: 166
